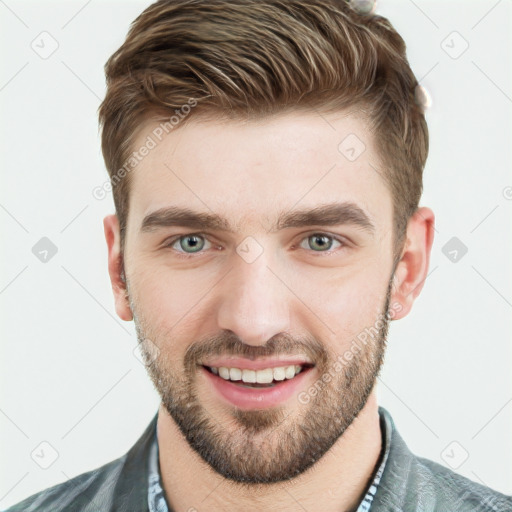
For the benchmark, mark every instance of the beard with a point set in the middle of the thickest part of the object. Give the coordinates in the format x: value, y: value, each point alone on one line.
x: 268, y: 445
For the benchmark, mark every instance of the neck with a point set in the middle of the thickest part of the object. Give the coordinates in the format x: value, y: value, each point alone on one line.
x: 338, y: 481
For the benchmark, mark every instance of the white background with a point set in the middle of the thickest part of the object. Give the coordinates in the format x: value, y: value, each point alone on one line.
x: 69, y: 375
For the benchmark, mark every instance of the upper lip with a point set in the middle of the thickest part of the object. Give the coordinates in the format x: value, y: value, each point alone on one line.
x: 258, y: 364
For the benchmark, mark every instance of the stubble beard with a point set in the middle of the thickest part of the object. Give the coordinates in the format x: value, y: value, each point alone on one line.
x: 269, y: 445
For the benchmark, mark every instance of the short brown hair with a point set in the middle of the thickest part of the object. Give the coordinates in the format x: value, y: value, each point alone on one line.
x: 250, y: 58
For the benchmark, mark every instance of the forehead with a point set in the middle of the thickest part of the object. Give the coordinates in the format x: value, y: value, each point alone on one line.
x: 250, y: 171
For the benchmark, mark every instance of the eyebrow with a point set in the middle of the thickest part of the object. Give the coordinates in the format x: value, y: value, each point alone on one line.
x: 333, y: 214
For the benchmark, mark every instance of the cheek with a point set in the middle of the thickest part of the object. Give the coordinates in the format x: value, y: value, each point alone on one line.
x: 346, y: 303
x: 167, y: 292
x: 169, y: 305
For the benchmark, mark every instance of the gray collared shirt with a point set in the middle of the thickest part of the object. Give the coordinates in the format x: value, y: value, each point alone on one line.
x: 156, y: 495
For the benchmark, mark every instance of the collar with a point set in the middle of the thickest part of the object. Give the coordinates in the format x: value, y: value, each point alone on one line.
x: 156, y: 495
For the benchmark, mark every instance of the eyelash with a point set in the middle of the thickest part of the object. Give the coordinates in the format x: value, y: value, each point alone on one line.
x: 185, y: 256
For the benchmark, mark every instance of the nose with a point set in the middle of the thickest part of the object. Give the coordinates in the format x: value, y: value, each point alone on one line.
x: 254, y: 302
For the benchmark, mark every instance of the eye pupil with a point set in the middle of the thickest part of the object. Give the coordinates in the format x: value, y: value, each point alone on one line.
x: 197, y: 243
x: 325, y: 241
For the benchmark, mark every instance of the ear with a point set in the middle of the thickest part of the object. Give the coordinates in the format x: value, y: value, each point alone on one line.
x: 412, y: 269
x: 116, y: 267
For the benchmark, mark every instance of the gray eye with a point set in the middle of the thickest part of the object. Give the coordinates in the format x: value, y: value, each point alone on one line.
x: 320, y: 242
x: 191, y: 243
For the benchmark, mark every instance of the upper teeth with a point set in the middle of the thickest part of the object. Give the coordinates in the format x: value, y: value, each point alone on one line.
x: 265, y: 376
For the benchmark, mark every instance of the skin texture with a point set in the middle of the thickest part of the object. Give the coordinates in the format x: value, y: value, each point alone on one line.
x: 292, y: 299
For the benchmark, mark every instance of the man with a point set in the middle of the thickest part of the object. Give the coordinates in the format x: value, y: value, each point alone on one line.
x: 285, y: 142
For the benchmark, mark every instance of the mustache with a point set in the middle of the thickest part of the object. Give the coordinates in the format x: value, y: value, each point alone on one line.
x: 229, y: 344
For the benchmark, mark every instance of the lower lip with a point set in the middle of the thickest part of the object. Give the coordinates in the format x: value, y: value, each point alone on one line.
x: 256, y: 398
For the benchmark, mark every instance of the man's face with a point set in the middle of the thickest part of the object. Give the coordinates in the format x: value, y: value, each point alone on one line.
x: 266, y: 293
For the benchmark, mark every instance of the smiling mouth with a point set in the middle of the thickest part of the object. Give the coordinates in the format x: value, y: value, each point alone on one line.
x: 265, y: 378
